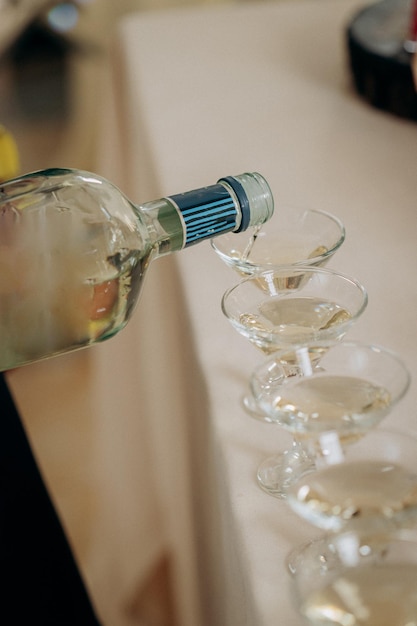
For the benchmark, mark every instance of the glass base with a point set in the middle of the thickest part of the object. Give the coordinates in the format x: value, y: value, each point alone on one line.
x: 322, y: 550
x: 277, y: 473
x: 253, y: 410
x: 329, y: 551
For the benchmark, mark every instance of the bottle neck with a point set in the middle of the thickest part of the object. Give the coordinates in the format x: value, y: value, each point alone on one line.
x: 207, y: 212
x: 233, y: 204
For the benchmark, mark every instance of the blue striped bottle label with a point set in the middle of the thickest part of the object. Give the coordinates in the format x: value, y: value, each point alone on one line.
x: 206, y: 212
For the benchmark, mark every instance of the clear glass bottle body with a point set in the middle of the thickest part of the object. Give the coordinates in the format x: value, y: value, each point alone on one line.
x: 73, y: 254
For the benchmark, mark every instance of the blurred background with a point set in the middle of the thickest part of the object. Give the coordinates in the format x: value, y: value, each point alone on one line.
x: 54, y: 58
x: 52, y: 63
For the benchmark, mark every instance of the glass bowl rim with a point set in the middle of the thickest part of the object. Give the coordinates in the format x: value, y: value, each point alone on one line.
x: 321, y: 257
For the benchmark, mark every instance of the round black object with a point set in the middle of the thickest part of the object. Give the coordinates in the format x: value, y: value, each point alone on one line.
x: 380, y: 53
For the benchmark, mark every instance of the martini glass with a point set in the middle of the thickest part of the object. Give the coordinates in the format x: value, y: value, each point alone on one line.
x: 279, y: 309
x: 341, y: 387
x: 366, y: 578
x: 299, y: 237
x: 369, y: 484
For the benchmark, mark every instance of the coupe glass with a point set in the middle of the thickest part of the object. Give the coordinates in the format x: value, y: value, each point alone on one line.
x: 346, y: 387
x: 369, y: 484
x: 295, y: 237
x: 363, y: 578
x: 279, y: 309
x: 282, y: 308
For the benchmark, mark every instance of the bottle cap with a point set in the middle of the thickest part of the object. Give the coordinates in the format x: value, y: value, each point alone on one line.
x: 254, y: 196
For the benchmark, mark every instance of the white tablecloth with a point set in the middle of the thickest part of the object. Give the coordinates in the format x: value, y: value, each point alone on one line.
x: 168, y: 456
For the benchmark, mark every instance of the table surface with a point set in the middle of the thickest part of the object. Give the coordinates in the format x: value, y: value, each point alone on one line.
x: 196, y: 94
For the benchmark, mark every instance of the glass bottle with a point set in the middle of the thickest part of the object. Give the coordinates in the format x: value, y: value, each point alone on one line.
x: 74, y: 251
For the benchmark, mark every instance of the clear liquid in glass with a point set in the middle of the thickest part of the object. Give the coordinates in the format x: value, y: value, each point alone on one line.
x: 374, y: 595
x: 313, y: 403
x: 361, y: 491
x: 285, y: 321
